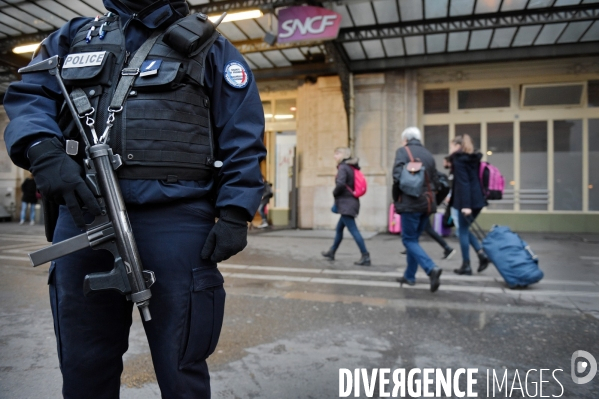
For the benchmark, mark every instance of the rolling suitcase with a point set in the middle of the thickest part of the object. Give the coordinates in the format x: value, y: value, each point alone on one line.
x: 512, y: 256
x: 394, y: 221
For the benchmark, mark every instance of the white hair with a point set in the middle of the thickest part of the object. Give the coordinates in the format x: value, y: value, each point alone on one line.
x: 411, y: 133
x: 346, y: 152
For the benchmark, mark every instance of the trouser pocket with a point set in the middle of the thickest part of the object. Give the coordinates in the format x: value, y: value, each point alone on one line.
x: 205, y: 316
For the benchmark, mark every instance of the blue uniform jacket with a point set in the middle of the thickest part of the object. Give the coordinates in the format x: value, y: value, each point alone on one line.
x: 237, y: 116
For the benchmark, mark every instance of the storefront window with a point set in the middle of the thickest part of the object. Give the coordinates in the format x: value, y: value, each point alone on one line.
x: 471, y: 129
x: 436, y: 140
x: 594, y: 164
x: 552, y: 95
x: 436, y: 101
x: 500, y: 153
x: 567, y: 165
x: 285, y: 110
x: 487, y: 98
x: 593, y: 93
x: 267, y: 105
x: 533, y: 193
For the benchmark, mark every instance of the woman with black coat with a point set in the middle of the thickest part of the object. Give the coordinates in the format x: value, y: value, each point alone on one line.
x: 467, y: 198
x: 346, y: 205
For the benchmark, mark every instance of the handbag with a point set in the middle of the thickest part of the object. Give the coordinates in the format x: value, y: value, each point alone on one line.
x: 334, y: 208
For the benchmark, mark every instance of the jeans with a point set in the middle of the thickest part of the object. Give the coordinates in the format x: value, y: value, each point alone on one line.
x: 24, y: 211
x: 350, y: 223
x: 428, y: 229
x: 412, y: 226
x: 465, y: 235
x: 261, y: 210
x: 187, y: 305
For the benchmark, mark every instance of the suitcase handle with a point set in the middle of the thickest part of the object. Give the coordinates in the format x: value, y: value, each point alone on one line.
x: 532, y: 254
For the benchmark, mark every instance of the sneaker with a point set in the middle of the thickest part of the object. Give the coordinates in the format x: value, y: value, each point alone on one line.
x: 21, y: 222
x: 263, y: 224
x: 402, y: 280
x: 31, y: 223
x: 448, y: 253
x: 435, y: 276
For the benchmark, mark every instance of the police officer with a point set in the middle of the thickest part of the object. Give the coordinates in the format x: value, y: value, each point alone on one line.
x: 188, y: 114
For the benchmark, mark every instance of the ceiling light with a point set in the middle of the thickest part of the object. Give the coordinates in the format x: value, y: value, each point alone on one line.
x: 284, y: 116
x: 238, y: 16
x: 29, y: 48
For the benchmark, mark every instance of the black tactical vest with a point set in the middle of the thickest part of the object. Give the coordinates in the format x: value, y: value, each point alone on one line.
x: 164, y: 130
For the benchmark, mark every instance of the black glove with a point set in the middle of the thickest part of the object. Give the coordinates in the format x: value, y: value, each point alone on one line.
x: 228, y: 236
x: 59, y: 178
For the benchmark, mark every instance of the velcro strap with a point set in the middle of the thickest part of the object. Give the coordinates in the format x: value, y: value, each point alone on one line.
x: 166, y: 156
x: 81, y: 102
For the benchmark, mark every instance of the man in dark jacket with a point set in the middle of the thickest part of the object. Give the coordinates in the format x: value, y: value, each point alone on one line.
x: 210, y: 109
x: 347, y: 205
x: 415, y: 210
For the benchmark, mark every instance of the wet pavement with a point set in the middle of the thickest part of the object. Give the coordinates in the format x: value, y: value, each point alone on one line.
x: 294, y: 319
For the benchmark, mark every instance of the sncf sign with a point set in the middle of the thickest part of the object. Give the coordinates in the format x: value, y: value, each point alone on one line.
x: 307, y: 23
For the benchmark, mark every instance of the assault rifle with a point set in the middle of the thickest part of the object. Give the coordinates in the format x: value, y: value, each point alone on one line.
x: 111, y: 230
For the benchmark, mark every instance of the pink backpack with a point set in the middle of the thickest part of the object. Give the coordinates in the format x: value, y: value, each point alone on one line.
x: 360, y: 184
x: 491, y: 181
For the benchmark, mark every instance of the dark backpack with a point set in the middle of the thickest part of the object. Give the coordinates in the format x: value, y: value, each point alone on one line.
x: 411, y: 181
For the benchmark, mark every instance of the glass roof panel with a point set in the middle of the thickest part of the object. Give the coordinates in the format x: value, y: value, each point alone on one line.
x: 313, y: 49
x: 58, y: 9
x: 511, y: 5
x: 435, y: 8
x: 28, y: 19
x: 410, y: 10
x: 436, y: 43
x: 345, y: 18
x: 461, y: 7
x: 386, y: 11
x: 479, y: 39
x: 231, y: 32
x: 259, y: 60
x: 9, y: 31
x: 197, y: 2
x: 98, y: 5
x: 271, y: 26
x: 18, y: 25
x: 487, y: 6
x: 362, y: 14
x: 539, y: 3
x: 293, y: 54
x: 277, y: 58
x: 250, y: 63
x: 592, y: 33
x: 354, y: 50
x: 393, y: 47
x: 373, y: 48
x: 79, y: 7
x: 34, y: 10
x: 414, y: 45
x: 250, y: 28
x: 550, y: 33
x: 589, y: 1
x: 526, y: 35
x: 457, y: 41
x: 573, y: 32
x: 503, y: 37
x: 560, y: 3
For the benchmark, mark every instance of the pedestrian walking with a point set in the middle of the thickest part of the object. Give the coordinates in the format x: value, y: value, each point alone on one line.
x: 29, y: 199
x: 190, y: 136
x: 266, y: 196
x: 347, y: 205
x: 467, y: 199
x: 448, y: 251
x: 414, y: 182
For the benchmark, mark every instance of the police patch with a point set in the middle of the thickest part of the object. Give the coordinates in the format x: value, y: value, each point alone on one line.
x: 81, y: 60
x: 236, y: 75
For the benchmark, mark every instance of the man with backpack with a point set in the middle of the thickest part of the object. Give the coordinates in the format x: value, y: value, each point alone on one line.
x: 349, y: 186
x: 414, y: 182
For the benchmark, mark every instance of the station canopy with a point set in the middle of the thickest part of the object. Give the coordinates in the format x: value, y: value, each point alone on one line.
x: 374, y: 35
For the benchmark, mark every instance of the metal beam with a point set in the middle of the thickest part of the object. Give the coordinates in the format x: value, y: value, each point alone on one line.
x: 469, y: 57
x: 295, y: 71
x: 217, y: 7
x: 256, y: 45
x: 471, y: 22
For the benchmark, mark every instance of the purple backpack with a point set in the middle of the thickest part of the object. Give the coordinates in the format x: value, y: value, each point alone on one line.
x: 491, y: 181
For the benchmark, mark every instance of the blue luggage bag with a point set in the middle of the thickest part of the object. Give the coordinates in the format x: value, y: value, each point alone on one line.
x: 512, y: 256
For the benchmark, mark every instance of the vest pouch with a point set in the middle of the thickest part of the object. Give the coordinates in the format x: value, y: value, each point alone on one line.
x: 88, y: 69
x: 169, y: 77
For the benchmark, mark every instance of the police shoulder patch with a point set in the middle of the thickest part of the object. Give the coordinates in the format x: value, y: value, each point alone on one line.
x: 236, y: 75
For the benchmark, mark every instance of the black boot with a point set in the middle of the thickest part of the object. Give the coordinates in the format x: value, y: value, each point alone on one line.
x: 330, y: 254
x: 483, y: 261
x: 435, y: 277
x: 364, y: 260
x: 465, y: 269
